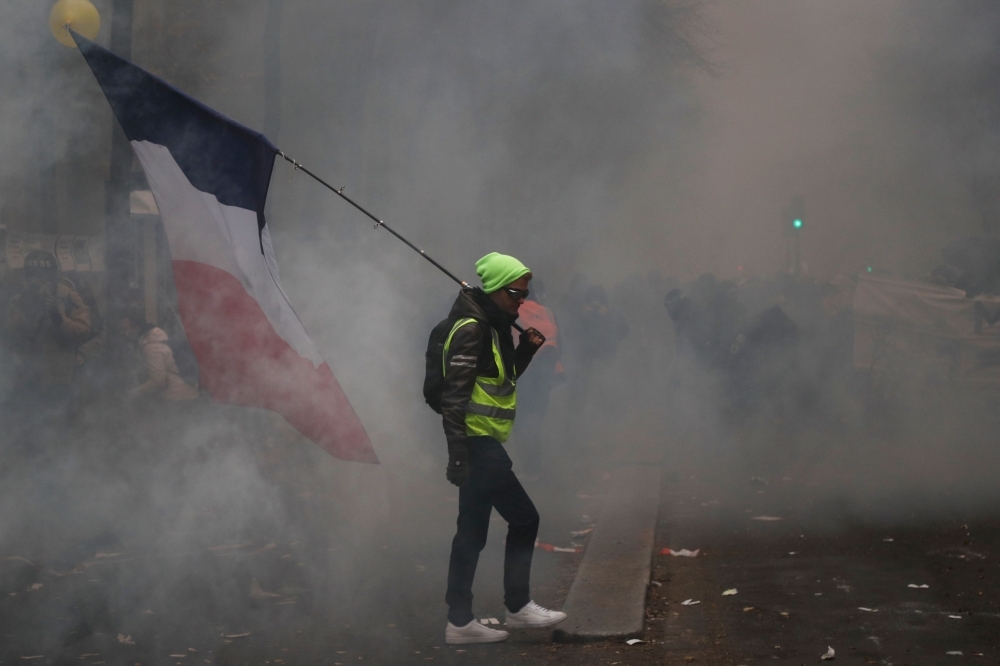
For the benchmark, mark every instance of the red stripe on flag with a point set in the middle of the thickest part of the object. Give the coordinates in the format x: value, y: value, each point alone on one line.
x: 243, y: 361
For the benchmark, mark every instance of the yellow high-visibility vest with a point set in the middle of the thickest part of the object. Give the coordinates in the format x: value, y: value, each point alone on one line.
x: 493, y: 404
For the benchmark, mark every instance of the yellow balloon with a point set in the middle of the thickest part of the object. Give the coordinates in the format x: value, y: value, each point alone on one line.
x: 80, y: 15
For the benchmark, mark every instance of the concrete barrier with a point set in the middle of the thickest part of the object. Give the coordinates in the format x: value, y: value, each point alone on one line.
x: 608, y: 595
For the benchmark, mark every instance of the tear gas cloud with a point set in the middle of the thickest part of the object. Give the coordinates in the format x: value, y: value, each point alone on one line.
x: 634, y: 145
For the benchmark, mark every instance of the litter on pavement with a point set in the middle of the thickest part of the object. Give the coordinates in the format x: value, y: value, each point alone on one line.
x: 683, y: 552
x: 830, y: 654
x: 955, y: 617
x: 919, y: 587
x: 954, y: 653
x: 867, y: 610
x: 556, y: 549
x: 690, y: 602
x: 634, y: 641
x: 257, y: 593
x: 730, y: 592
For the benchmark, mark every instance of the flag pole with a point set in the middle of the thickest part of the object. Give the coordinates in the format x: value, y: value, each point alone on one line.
x: 378, y: 222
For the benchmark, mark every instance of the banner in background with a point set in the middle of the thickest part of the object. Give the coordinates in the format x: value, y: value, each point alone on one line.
x: 918, y: 331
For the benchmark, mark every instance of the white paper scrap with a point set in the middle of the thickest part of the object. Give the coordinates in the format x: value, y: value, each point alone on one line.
x: 830, y: 654
x: 730, y: 592
x: 690, y: 602
x: 684, y: 552
x: 633, y: 641
x: 954, y: 653
x: 918, y: 587
x: 867, y: 610
x: 955, y: 617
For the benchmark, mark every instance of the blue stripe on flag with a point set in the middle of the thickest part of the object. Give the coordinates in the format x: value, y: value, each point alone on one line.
x: 218, y: 155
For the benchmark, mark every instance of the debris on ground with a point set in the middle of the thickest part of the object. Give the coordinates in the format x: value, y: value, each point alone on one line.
x: 690, y: 602
x: 556, y: 549
x: 955, y: 617
x: 867, y: 610
x: 243, y: 635
x: 256, y: 592
x: 830, y: 654
x: 730, y: 592
x: 919, y: 587
x: 125, y: 640
x: 683, y: 552
x: 634, y: 641
x: 953, y: 653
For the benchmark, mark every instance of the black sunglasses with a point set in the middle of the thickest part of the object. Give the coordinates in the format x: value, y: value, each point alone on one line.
x: 517, y: 294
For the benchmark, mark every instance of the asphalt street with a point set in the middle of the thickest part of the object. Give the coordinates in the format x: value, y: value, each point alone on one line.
x: 809, y: 574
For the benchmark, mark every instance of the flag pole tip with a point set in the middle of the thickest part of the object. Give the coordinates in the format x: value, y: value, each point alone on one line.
x: 79, y: 15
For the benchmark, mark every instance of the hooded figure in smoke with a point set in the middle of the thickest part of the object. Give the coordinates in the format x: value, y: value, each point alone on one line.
x: 478, y: 404
x: 46, y: 323
x: 45, y: 326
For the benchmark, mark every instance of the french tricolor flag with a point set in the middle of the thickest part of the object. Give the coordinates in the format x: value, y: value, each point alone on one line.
x: 210, y: 176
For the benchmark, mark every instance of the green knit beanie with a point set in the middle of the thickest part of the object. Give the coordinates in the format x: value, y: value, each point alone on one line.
x: 498, y: 270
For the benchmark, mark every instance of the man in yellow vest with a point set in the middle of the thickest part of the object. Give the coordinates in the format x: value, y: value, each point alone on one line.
x: 478, y: 404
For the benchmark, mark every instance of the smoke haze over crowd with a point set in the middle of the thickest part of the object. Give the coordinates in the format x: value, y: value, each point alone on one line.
x: 635, y: 145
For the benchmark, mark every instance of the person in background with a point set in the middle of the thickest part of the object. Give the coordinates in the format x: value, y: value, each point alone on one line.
x: 533, y: 389
x: 46, y: 323
x: 162, y: 377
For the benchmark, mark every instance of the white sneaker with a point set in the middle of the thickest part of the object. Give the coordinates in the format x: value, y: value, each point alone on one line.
x: 474, y: 632
x: 533, y: 616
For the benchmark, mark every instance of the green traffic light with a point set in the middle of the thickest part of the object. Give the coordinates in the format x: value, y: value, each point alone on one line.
x: 797, y: 223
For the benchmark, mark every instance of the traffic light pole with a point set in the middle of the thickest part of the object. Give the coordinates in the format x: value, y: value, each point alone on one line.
x: 797, y: 266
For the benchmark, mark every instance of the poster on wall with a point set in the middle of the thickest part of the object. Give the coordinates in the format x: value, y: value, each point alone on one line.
x: 64, y: 254
x: 81, y: 254
x: 15, y: 254
x: 95, y: 246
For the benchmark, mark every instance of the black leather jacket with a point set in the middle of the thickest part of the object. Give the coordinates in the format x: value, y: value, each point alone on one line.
x: 470, y: 355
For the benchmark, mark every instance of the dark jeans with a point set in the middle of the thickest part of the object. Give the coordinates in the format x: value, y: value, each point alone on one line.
x: 491, y: 484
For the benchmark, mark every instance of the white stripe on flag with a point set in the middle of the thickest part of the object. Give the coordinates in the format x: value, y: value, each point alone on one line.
x: 201, y: 229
